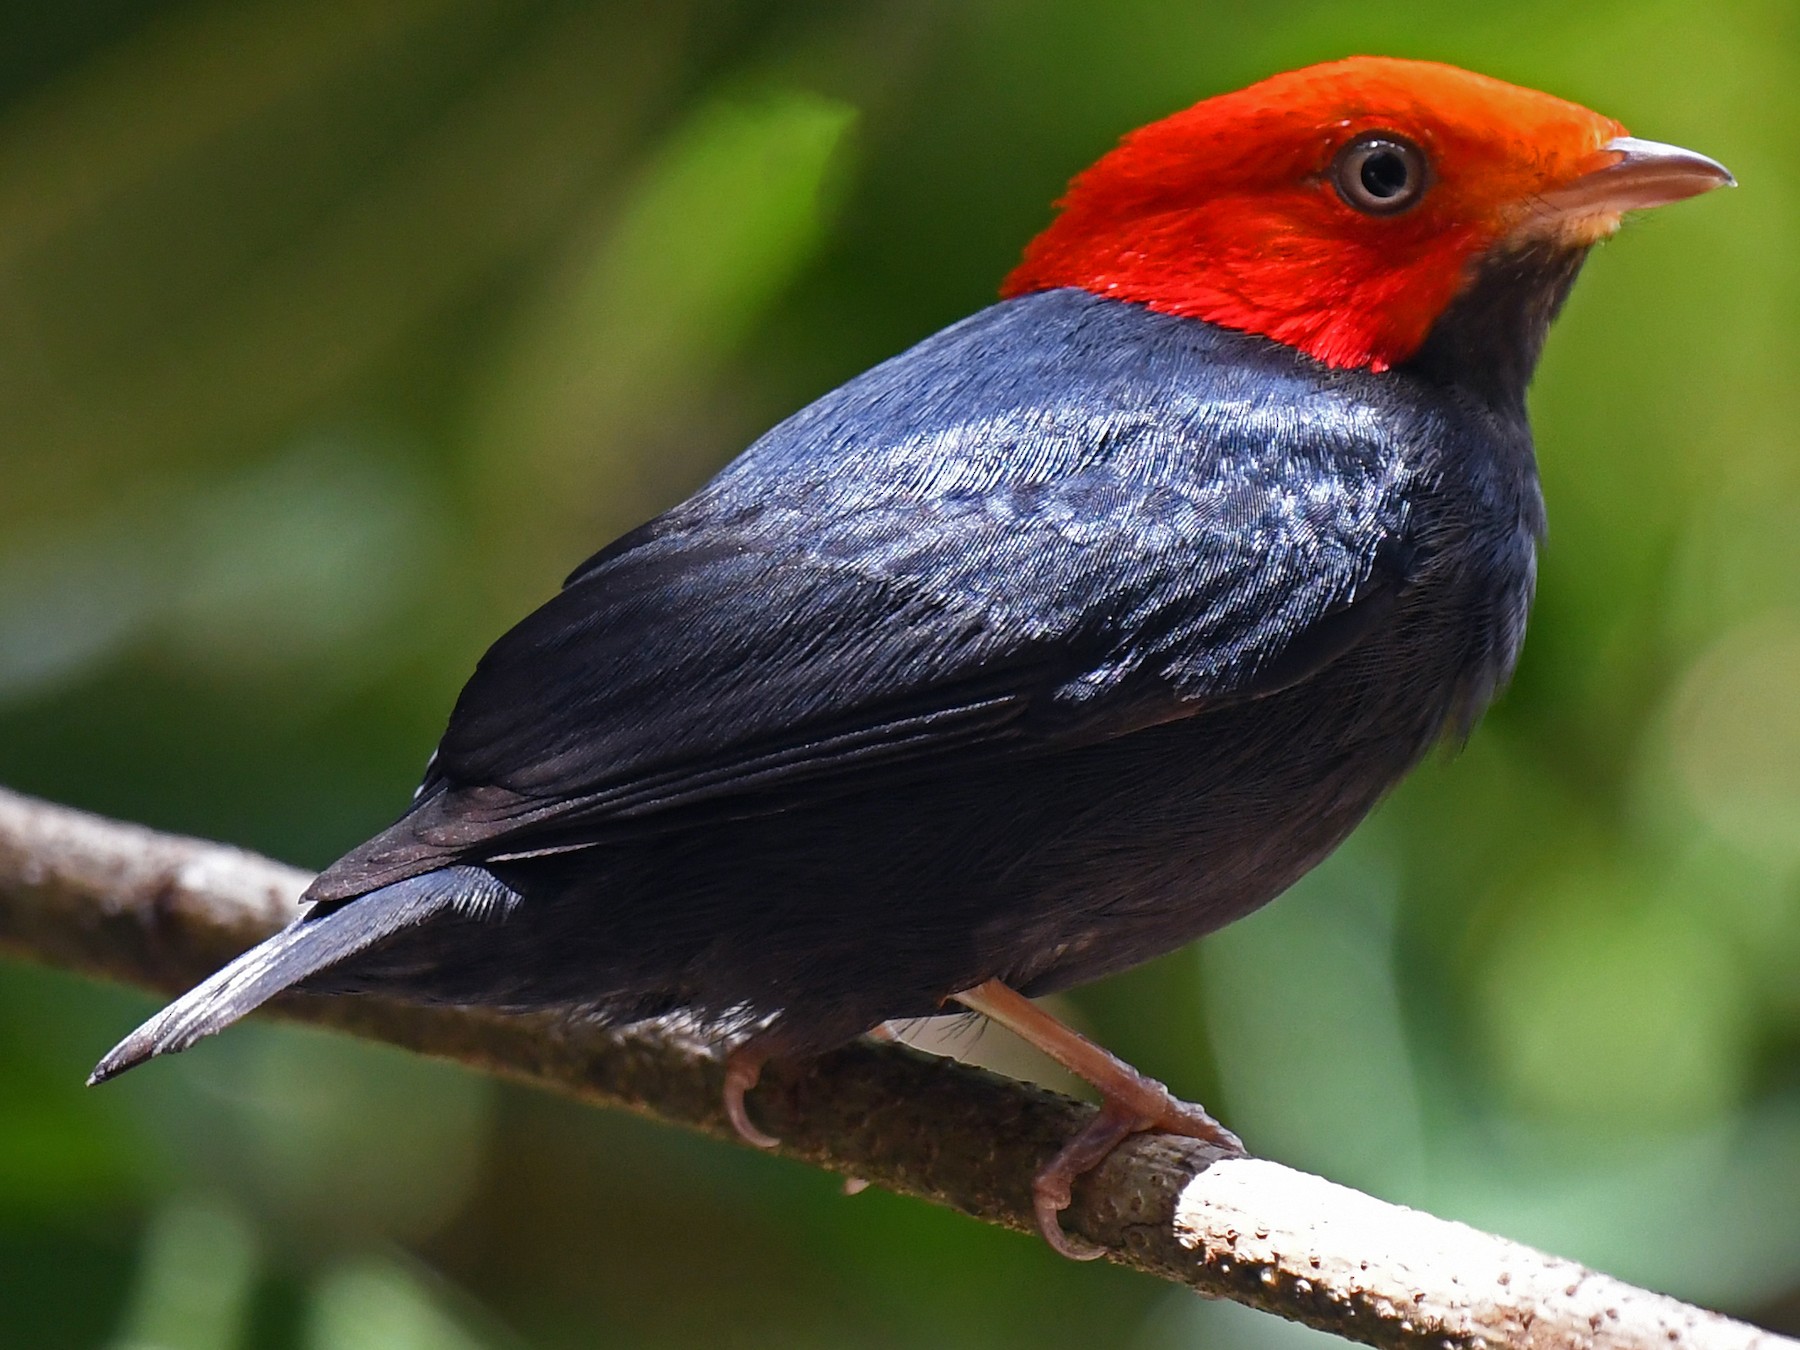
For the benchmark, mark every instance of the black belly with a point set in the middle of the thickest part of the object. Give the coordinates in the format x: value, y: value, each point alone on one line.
x: 838, y: 913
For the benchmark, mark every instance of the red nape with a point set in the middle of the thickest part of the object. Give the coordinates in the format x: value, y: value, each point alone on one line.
x: 1230, y: 211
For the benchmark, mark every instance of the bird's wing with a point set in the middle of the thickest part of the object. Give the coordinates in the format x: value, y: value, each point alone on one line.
x: 769, y: 651
x: 1060, y: 520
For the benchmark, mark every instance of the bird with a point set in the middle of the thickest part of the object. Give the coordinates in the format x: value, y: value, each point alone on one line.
x: 1077, y: 631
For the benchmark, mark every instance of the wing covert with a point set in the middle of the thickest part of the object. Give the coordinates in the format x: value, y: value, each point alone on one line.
x: 925, y: 564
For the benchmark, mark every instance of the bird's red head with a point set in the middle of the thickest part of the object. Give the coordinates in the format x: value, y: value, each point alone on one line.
x: 1340, y: 209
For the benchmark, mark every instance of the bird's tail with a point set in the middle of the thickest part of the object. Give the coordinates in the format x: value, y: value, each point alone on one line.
x: 304, y: 948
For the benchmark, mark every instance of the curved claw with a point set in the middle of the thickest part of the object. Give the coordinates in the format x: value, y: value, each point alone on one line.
x: 1048, y: 1207
x: 1051, y: 1230
x: 742, y: 1069
x: 1053, y: 1186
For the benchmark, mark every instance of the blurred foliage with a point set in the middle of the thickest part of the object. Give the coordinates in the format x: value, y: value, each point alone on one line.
x: 332, y: 334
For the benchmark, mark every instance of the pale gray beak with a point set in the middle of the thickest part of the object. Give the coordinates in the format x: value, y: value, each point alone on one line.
x: 1636, y: 174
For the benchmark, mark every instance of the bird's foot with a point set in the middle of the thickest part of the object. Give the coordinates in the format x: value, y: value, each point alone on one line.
x: 743, y: 1066
x: 1131, y: 1103
x: 1151, y: 1106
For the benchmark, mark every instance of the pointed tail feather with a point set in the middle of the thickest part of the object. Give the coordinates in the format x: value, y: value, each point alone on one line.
x: 305, y: 947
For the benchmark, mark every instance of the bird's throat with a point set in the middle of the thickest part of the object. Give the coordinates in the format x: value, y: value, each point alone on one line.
x: 1488, y: 340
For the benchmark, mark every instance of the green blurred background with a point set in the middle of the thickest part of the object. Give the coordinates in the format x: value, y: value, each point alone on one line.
x: 333, y: 333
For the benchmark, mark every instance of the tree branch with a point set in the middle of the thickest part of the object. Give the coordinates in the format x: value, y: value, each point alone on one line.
x: 120, y: 901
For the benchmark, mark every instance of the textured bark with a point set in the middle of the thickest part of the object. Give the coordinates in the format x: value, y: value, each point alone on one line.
x: 120, y: 901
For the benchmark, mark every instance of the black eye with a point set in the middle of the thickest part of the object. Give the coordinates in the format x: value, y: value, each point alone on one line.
x: 1380, y: 174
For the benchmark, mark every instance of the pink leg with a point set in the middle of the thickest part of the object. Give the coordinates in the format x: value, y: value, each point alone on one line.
x: 1130, y: 1103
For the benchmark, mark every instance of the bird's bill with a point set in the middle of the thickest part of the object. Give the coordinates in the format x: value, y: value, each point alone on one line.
x: 1629, y: 175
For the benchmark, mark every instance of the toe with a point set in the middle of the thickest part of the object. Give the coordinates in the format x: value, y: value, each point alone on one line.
x: 1049, y: 1218
x: 741, y: 1073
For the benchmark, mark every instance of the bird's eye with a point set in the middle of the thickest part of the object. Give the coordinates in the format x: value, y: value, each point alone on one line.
x: 1380, y: 174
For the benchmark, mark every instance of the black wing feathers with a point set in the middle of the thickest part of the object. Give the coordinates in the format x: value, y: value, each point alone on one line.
x: 937, y: 561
